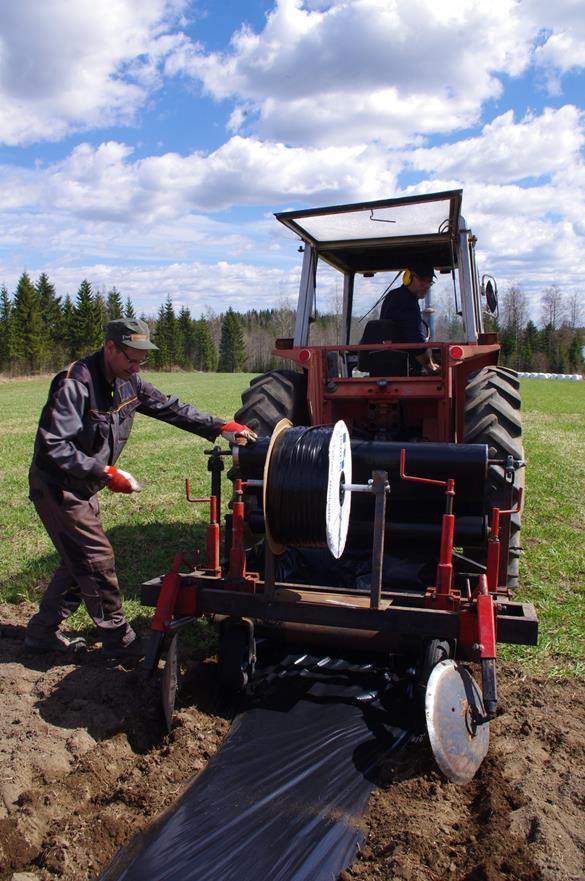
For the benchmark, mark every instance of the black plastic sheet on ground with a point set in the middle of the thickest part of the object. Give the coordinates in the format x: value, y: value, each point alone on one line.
x: 283, y: 799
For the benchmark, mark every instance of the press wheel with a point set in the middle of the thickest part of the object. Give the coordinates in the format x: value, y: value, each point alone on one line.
x: 456, y: 721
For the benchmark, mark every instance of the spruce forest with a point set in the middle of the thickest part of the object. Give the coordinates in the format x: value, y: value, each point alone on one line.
x: 40, y: 331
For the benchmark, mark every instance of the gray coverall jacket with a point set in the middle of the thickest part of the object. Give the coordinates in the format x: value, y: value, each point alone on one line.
x: 86, y: 422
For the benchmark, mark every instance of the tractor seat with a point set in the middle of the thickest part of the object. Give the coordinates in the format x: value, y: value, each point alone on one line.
x: 391, y: 363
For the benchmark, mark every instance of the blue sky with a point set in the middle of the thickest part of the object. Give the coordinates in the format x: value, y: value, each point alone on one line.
x: 146, y: 143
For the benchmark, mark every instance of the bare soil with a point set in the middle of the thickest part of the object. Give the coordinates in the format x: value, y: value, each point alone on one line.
x: 85, y: 763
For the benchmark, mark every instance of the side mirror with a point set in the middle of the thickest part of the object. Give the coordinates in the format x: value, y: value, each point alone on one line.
x: 489, y: 290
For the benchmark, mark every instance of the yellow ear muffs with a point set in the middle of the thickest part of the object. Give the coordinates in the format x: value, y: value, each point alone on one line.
x: 407, y: 278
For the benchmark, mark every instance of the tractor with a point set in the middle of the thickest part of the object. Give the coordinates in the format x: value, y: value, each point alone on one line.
x: 379, y: 510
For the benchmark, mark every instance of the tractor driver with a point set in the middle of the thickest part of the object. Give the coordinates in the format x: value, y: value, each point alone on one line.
x: 401, y: 306
x: 82, y: 430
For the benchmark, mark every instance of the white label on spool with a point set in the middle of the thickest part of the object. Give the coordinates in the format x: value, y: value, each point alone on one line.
x: 338, y: 501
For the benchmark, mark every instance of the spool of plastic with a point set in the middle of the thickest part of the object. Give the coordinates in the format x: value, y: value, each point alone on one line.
x: 280, y: 427
x: 305, y: 504
x: 338, y: 499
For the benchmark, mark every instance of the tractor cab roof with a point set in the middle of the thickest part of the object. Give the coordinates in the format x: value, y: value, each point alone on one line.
x: 382, y: 236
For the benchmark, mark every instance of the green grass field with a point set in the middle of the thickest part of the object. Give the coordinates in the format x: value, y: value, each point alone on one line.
x: 148, y: 528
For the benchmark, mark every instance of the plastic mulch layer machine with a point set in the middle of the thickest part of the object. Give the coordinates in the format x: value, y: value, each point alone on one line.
x: 359, y: 545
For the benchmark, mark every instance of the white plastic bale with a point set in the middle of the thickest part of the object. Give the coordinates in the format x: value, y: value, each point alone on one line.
x: 567, y: 377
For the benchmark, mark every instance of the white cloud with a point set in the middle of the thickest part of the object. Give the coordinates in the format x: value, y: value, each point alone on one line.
x: 530, y: 236
x: 561, y: 46
x: 563, y: 52
x: 508, y: 151
x: 71, y: 65
x: 356, y: 70
x: 104, y: 184
x: 323, y: 73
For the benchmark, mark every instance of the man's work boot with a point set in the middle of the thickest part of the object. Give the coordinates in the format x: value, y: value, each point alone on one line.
x: 53, y: 641
x: 134, y: 650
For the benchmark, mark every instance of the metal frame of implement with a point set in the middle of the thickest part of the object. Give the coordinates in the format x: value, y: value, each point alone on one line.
x: 380, y: 621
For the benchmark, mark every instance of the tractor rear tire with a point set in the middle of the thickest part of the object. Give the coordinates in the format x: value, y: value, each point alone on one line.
x: 492, y: 417
x: 280, y: 394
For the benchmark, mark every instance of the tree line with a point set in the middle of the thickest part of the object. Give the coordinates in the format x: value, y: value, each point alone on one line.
x: 41, y: 332
x: 555, y: 346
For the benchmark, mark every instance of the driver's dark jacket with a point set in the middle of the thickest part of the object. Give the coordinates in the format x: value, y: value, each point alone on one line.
x: 403, y: 307
x: 86, y: 422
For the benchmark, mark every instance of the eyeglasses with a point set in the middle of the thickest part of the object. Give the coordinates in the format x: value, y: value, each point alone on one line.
x: 131, y: 361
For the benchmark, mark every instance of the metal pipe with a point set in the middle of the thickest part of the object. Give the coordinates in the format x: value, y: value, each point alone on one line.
x: 380, y: 488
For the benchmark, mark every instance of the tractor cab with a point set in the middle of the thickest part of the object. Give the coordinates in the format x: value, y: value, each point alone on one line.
x: 369, y: 377
x: 372, y: 243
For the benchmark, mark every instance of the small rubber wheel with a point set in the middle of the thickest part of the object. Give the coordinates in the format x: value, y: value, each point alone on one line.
x: 236, y: 655
x: 433, y: 652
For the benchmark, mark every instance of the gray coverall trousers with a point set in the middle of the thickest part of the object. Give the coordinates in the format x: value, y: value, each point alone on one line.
x: 87, y: 568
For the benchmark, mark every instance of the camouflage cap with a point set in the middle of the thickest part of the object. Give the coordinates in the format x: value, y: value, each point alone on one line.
x: 130, y: 332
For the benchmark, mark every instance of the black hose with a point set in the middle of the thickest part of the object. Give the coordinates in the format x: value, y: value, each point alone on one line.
x: 297, y: 487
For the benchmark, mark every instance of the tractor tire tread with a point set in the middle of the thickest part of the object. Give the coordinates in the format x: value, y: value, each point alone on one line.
x: 279, y: 394
x: 492, y: 417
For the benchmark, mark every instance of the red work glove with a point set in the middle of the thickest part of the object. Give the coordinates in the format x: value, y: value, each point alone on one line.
x: 121, y: 481
x: 234, y: 433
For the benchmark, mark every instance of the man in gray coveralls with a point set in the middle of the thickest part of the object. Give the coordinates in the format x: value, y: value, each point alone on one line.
x: 82, y: 431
